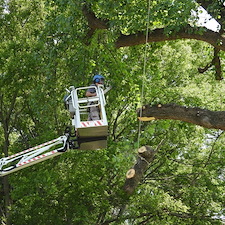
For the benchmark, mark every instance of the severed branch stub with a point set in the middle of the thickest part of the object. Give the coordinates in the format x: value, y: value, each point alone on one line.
x: 134, y: 175
x: 198, y: 116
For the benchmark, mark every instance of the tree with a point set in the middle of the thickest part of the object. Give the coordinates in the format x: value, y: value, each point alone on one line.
x: 48, y: 45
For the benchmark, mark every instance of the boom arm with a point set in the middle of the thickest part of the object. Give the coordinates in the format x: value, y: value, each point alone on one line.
x: 33, y: 155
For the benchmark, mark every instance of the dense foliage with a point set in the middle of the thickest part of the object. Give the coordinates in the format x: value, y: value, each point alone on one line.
x: 45, y: 47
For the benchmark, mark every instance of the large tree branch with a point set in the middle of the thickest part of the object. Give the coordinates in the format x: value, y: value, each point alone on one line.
x: 94, y: 23
x: 158, y: 35
x: 198, y: 116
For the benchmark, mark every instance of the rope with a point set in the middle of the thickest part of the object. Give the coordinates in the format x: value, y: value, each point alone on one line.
x: 144, y: 72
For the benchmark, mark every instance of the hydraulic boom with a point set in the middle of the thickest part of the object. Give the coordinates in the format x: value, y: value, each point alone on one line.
x: 32, y: 156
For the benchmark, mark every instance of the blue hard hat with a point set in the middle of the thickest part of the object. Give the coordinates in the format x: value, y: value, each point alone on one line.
x: 97, y: 78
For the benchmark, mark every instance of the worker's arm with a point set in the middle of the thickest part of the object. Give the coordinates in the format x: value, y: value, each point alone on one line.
x: 90, y: 94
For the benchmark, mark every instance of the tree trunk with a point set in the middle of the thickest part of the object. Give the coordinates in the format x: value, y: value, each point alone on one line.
x: 6, y: 187
x: 7, y: 200
x: 5, y: 119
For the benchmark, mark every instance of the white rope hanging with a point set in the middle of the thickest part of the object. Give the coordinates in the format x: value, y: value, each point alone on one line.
x: 144, y: 71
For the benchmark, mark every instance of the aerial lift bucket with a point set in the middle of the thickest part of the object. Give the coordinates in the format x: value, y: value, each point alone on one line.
x: 91, y: 134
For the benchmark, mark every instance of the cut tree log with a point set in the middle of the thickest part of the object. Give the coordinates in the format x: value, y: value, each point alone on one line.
x: 135, y: 174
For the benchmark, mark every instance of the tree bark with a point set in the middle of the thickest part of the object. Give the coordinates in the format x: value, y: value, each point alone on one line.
x: 134, y: 175
x: 159, y: 35
x: 202, y: 117
x: 216, y: 62
x: 7, y: 200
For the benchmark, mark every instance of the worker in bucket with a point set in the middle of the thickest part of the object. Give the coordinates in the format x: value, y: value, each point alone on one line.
x: 94, y: 113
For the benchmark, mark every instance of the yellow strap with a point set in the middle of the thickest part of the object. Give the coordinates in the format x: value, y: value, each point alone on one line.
x: 146, y: 118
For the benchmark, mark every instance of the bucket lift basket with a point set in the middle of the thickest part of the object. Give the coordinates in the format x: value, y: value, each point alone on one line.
x: 91, y: 134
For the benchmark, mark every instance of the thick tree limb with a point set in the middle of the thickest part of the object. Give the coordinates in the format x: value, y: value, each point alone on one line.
x: 94, y: 23
x: 135, y: 174
x: 198, y: 116
x: 158, y: 35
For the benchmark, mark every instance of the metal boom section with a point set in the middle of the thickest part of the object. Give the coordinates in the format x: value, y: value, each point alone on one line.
x: 32, y: 156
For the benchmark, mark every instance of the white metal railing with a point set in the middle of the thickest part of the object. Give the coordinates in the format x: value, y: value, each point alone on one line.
x: 80, y: 105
